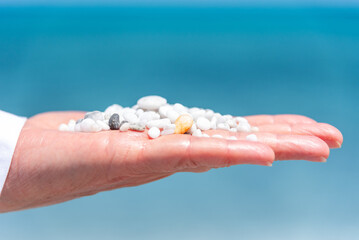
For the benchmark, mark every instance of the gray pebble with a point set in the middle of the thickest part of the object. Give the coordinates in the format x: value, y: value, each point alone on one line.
x: 114, y: 122
x: 140, y: 127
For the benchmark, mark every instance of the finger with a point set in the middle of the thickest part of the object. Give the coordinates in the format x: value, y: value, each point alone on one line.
x: 282, y: 118
x: 288, y: 147
x: 331, y: 135
x: 52, y: 120
x: 178, y: 152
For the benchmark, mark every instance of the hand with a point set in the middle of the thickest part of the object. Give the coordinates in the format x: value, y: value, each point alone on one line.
x: 50, y: 166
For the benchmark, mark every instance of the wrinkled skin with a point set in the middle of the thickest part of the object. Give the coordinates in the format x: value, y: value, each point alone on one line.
x: 50, y: 166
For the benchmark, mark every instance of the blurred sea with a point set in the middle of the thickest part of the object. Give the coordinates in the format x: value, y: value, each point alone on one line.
x: 234, y: 60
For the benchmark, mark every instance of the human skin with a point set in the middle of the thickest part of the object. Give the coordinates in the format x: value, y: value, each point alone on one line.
x: 50, y: 166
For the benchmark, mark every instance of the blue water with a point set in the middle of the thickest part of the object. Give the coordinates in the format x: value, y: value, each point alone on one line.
x: 239, y: 61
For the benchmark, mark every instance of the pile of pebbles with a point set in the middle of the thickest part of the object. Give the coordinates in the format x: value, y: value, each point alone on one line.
x: 160, y: 118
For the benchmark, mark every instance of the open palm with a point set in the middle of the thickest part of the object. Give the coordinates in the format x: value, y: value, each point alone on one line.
x: 50, y: 166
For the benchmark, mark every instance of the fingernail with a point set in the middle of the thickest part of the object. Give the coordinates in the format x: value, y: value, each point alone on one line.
x: 323, y: 159
x: 339, y: 144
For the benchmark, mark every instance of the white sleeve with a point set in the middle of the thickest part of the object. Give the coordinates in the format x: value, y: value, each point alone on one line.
x: 10, y: 128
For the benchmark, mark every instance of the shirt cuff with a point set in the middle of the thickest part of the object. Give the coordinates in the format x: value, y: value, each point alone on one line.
x: 10, y: 128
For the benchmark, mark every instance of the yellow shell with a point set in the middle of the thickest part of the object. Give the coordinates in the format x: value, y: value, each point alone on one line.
x: 183, y: 123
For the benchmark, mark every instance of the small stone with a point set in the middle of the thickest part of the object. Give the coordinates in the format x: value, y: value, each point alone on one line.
x: 77, y: 127
x: 243, y: 127
x: 232, y: 123
x: 125, y: 126
x: 149, y: 116
x: 183, y: 123
x: 252, y: 137
x: 139, y: 112
x: 103, y: 125
x: 199, y: 113
x: 63, y: 127
x: 71, y: 125
x: 221, y: 119
x: 95, y: 115
x: 167, y: 132
x: 205, y: 135
x: 163, y: 110
x: 161, y: 123
x: 140, y: 127
x: 203, y: 123
x: 223, y: 126
x: 193, y: 128
x: 172, y: 115
x: 154, y: 132
x: 151, y: 102
x: 197, y: 133
x: 115, y: 108
x: 209, y: 114
x: 241, y: 120
x: 114, y: 122
x: 214, y: 123
x: 180, y: 108
x: 89, y: 125
x: 130, y: 117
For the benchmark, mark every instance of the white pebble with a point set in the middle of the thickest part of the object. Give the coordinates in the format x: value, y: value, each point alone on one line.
x: 161, y: 123
x: 193, y: 128
x: 125, y: 127
x: 172, y: 115
x: 115, y: 108
x: 199, y: 113
x: 209, y: 114
x: 78, y: 127
x: 139, y: 112
x: 194, y: 109
x: 167, y: 131
x: 197, y: 133
x: 130, y: 117
x: 221, y: 119
x: 154, y: 132
x: 205, y: 135
x: 149, y: 116
x: 217, y: 136
x: 71, y: 125
x: 89, y: 125
x: 241, y: 120
x: 163, y: 110
x: 63, y: 127
x: 252, y: 137
x: 214, y: 123
x: 103, y: 125
x: 243, y: 127
x: 203, y: 123
x: 232, y: 123
x: 180, y: 108
x: 223, y: 126
x: 151, y: 102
